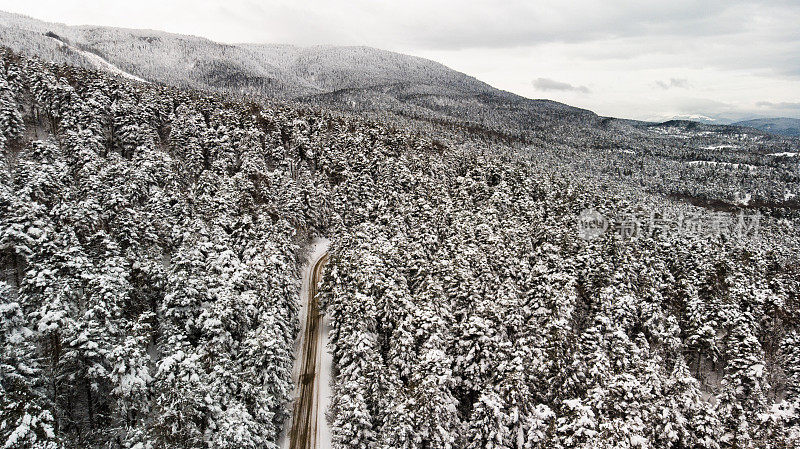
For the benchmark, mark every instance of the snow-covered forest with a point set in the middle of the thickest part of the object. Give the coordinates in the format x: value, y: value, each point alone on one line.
x: 467, y: 314
x: 150, y: 241
x: 151, y: 237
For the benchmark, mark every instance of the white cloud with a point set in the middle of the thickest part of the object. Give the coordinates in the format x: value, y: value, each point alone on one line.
x: 546, y: 84
x: 779, y: 105
x: 673, y: 82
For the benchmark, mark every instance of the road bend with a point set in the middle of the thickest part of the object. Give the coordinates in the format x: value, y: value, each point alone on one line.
x: 304, y: 431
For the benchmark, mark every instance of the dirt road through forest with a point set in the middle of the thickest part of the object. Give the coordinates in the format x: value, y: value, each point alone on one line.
x: 305, y: 427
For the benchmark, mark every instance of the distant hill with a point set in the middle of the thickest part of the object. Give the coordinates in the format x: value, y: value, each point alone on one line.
x: 357, y: 79
x: 274, y: 70
x: 349, y: 78
x: 702, y: 119
x: 781, y: 125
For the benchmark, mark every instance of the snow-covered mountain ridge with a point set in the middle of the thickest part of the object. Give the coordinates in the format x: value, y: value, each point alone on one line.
x: 351, y: 78
x: 275, y: 70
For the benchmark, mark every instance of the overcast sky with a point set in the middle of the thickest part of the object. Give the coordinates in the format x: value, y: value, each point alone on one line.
x: 635, y: 59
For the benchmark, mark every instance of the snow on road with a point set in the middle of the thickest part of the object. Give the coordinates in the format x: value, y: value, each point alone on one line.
x: 325, y: 368
x: 319, y: 247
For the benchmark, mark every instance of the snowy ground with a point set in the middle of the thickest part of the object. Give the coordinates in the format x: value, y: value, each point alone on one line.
x: 785, y: 154
x: 102, y: 64
x: 722, y: 164
x: 325, y: 365
x: 324, y: 358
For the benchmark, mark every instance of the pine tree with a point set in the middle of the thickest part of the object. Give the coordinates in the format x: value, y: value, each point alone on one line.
x: 744, y: 383
x: 188, y: 128
x: 11, y: 123
x: 576, y: 425
x: 25, y: 417
x: 488, y: 426
x: 790, y: 349
x: 352, y: 426
x: 130, y: 378
x: 540, y: 425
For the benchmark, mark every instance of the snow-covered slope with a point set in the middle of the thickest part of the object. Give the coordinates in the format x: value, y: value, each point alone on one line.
x: 355, y: 78
x: 331, y: 68
x: 99, y: 63
x: 274, y: 70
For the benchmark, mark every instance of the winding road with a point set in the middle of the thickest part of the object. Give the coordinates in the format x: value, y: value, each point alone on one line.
x: 304, y: 433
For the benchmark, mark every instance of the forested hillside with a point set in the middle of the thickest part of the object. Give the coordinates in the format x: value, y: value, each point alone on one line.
x: 267, y: 70
x: 360, y: 79
x: 781, y: 125
x: 150, y: 239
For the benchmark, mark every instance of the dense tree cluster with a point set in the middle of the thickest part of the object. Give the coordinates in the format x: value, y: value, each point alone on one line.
x: 468, y: 314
